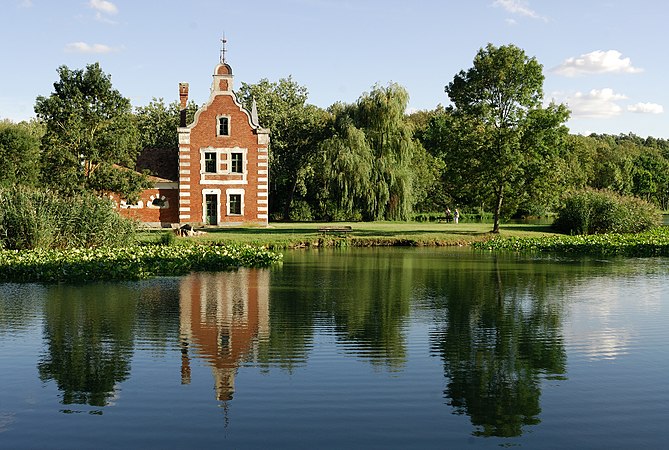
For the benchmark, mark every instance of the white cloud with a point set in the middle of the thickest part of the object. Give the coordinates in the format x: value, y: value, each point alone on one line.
x: 103, y: 6
x: 598, y: 103
x: 26, y: 4
x: 609, y: 61
x: 83, y: 47
x: 519, y: 7
x: 646, y: 108
x: 511, y: 21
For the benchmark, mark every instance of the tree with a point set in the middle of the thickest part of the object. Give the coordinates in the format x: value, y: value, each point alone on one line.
x: 90, y: 137
x: 19, y: 153
x: 507, y: 133
x: 375, y: 165
x: 157, y: 123
x: 296, y: 129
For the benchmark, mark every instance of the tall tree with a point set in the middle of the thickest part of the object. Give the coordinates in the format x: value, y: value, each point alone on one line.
x: 500, y: 100
x: 19, y: 153
x: 90, y: 132
x: 376, y: 166
x: 296, y: 128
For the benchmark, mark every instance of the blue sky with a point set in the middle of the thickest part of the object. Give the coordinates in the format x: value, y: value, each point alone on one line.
x: 605, y: 58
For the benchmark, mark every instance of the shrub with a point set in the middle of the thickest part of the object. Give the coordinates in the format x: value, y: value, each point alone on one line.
x: 595, y: 212
x: 38, y: 219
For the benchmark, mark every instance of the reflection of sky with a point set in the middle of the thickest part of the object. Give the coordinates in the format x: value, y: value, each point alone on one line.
x: 611, y: 314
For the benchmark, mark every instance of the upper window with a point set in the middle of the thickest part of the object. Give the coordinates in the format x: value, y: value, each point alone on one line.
x: 236, y: 160
x: 210, y: 162
x: 223, y: 126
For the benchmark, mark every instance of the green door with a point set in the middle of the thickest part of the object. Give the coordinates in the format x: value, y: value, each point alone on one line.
x: 211, y: 209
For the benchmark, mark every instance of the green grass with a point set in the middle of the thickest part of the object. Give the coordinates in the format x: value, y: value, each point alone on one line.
x: 363, y: 234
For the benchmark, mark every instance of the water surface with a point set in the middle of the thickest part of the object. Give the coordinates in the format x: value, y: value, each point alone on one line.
x: 353, y: 348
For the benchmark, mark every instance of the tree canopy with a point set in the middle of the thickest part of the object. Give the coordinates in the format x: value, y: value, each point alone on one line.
x: 505, y: 140
x: 19, y: 151
x: 90, y: 137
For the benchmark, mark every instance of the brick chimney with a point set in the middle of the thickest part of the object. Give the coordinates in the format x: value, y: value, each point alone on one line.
x: 183, y: 101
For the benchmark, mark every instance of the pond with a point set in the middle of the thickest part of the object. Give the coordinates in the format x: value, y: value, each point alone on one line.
x: 352, y: 348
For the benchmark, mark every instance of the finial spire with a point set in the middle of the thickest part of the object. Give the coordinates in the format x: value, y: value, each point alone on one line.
x: 223, y: 42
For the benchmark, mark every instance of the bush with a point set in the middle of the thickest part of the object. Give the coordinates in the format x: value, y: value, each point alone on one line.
x: 597, y: 212
x: 39, y: 219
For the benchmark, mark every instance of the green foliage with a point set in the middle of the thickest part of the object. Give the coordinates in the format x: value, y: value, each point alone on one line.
x: 654, y: 242
x: 167, y: 238
x: 372, y: 163
x: 502, y: 142
x: 19, y: 154
x: 157, y: 123
x: 595, y: 212
x: 40, y: 219
x: 127, y: 263
x: 296, y: 129
x: 90, y: 128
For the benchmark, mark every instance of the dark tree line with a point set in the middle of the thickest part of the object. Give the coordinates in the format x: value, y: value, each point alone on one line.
x: 495, y: 149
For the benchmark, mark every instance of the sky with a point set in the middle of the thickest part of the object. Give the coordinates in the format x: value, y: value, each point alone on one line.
x: 605, y: 59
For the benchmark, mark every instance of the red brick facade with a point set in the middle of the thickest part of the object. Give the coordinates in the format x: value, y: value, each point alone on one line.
x: 223, y: 167
x: 223, y: 164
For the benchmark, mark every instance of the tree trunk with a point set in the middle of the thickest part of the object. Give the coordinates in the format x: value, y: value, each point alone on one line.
x: 498, y: 210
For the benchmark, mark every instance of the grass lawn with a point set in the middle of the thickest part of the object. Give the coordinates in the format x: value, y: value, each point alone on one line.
x: 289, y: 235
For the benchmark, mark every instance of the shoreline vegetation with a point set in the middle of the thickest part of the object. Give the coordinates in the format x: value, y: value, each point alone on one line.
x: 160, y: 253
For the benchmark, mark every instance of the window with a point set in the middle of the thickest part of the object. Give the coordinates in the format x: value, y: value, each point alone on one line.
x: 236, y: 160
x: 223, y: 126
x: 210, y: 162
x: 235, y: 203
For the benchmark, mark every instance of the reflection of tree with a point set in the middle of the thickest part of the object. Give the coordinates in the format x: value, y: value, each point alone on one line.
x: 89, y: 334
x: 365, y: 298
x: 501, y: 334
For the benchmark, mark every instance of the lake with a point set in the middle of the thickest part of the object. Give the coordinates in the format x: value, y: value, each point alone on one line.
x: 351, y: 348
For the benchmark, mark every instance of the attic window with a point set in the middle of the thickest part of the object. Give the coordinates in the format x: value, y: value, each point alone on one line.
x: 223, y: 126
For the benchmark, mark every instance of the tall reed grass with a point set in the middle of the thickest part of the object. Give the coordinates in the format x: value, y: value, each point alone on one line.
x: 39, y: 219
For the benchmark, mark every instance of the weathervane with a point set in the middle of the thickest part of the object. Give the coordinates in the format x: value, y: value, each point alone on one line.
x: 223, y: 42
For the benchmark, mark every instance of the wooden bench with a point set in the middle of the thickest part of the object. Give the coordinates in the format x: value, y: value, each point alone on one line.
x: 335, y: 230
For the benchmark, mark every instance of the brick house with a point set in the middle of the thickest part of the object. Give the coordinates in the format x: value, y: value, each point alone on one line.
x: 220, y: 172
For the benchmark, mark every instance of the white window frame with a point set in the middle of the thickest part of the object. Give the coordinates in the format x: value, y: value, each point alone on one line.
x: 216, y: 192
x: 218, y: 125
x: 228, y: 193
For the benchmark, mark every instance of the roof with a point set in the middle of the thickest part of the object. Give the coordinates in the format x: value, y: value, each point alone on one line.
x: 161, y: 162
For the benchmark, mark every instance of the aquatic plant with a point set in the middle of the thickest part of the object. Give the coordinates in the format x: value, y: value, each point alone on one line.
x: 650, y: 243
x: 127, y: 263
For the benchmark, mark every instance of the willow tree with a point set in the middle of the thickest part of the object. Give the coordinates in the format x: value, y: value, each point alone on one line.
x: 517, y: 140
x: 372, y: 155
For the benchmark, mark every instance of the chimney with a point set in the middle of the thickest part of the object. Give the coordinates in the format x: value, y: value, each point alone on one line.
x: 183, y: 101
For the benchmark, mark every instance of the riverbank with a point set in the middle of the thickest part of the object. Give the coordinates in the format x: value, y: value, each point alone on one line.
x: 279, y: 236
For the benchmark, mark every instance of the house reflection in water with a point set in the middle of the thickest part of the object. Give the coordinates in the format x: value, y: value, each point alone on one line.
x: 222, y: 318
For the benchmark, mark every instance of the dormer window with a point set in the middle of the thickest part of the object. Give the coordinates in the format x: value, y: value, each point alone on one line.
x: 223, y: 126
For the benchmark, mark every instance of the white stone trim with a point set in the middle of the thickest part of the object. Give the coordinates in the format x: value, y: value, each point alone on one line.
x: 184, y: 164
x: 262, y: 201
x: 262, y: 150
x: 184, y: 155
x: 262, y: 172
x: 228, y: 193
x: 184, y: 186
x: 262, y: 216
x: 262, y: 156
x: 184, y: 209
x: 184, y: 172
x: 262, y: 179
x: 184, y: 194
x: 262, y: 164
x: 262, y: 186
x: 262, y: 208
x: 262, y: 194
x: 185, y: 179
x: 217, y: 193
x: 184, y: 216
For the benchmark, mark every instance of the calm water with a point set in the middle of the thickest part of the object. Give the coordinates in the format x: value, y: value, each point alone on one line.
x: 358, y: 348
